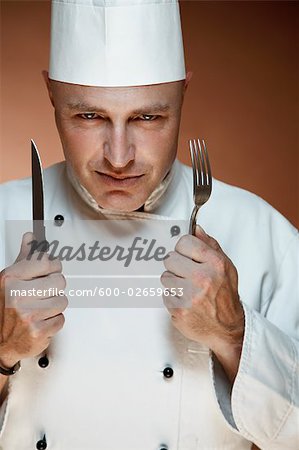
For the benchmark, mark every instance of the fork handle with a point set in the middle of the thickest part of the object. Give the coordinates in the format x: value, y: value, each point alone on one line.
x: 192, y: 223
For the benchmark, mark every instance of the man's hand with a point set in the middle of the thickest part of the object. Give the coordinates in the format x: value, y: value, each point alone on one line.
x: 27, y: 323
x: 209, y: 311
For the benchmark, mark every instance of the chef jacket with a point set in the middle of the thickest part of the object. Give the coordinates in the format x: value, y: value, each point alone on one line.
x: 125, y: 378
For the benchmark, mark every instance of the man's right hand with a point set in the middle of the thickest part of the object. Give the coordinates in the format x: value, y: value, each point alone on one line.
x: 27, y: 323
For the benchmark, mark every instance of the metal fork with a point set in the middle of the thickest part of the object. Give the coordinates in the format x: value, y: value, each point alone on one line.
x: 202, y: 178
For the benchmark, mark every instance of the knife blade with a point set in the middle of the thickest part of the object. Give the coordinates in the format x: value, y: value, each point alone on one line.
x: 39, y: 230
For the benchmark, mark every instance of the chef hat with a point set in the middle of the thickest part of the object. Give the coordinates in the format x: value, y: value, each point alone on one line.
x: 116, y: 42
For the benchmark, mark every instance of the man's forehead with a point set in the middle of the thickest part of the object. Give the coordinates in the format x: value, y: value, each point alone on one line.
x: 158, y: 97
x: 72, y: 87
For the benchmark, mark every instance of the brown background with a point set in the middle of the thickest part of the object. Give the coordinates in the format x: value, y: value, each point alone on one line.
x: 243, y: 98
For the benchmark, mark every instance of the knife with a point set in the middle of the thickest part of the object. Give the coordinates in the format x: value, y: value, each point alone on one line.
x: 39, y: 230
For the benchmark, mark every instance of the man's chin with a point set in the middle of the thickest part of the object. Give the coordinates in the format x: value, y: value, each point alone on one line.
x: 122, y: 208
x: 120, y: 205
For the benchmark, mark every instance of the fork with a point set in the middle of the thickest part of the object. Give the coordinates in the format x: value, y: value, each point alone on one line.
x: 202, y: 178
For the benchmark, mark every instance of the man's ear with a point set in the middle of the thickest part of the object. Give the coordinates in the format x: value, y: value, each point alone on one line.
x: 188, y: 79
x: 45, y: 75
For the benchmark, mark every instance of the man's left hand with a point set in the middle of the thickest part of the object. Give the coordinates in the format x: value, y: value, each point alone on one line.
x: 209, y: 311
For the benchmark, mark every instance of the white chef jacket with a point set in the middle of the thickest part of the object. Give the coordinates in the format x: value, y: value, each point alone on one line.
x: 104, y: 386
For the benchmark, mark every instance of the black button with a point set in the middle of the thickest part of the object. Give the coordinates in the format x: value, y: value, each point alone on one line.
x: 43, y: 361
x: 164, y: 447
x: 42, y: 444
x: 168, y: 372
x: 58, y: 219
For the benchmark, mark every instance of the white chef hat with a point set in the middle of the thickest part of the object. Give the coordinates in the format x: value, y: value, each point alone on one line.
x: 116, y: 42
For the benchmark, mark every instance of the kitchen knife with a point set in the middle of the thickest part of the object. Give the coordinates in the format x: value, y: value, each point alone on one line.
x: 39, y: 230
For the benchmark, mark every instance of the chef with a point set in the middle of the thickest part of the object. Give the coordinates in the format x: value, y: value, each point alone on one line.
x: 220, y: 373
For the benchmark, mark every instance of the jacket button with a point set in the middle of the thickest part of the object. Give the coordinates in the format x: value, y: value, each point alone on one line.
x: 164, y: 447
x: 168, y: 372
x: 43, y: 362
x: 42, y: 444
x: 58, y: 220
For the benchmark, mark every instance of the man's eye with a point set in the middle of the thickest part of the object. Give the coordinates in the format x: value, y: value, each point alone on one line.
x: 89, y: 116
x: 148, y: 117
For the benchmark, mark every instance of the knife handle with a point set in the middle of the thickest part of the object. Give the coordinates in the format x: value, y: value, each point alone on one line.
x: 39, y: 232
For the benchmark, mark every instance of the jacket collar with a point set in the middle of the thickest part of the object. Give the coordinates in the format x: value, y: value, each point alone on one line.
x: 152, y: 203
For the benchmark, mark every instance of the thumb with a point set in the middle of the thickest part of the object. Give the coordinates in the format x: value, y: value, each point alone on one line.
x: 201, y: 234
x: 25, y: 246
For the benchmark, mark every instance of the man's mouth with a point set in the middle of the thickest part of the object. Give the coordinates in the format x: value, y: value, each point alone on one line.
x: 119, y: 180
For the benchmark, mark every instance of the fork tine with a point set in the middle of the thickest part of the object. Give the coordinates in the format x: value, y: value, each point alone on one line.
x: 209, y: 175
x: 200, y: 163
x: 193, y: 164
x: 204, y: 157
x: 197, y: 163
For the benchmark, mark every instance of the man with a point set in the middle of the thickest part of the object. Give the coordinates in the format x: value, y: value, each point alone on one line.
x: 221, y: 373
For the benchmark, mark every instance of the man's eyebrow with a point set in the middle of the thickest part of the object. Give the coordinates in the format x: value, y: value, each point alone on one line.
x: 146, y: 109
x: 82, y: 106
x: 154, y: 108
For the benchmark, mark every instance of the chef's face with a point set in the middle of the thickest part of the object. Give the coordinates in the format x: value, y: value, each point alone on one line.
x: 120, y: 142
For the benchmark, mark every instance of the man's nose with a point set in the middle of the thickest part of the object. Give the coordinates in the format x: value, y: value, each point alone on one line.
x: 119, y: 150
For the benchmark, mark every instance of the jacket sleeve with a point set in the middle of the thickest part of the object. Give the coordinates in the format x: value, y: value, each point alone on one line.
x: 263, y: 403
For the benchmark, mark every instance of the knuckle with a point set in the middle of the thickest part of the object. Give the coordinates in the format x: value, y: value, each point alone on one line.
x: 27, y: 317
x: 174, y: 318
x: 60, y: 321
x: 206, y: 282
x: 197, y: 278
x: 12, y: 298
x: 167, y: 301
x: 56, y: 265
x: 6, y: 278
x: 220, y: 264
x: 36, y: 333
x: 62, y: 281
x: 35, y: 256
x: 164, y: 276
x: 196, y: 299
x: 182, y: 242
x: 169, y: 260
x: 178, y: 313
x: 214, y: 243
x: 45, y: 263
x: 58, y: 280
x: 12, y: 302
x: 63, y: 302
x: 199, y: 252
